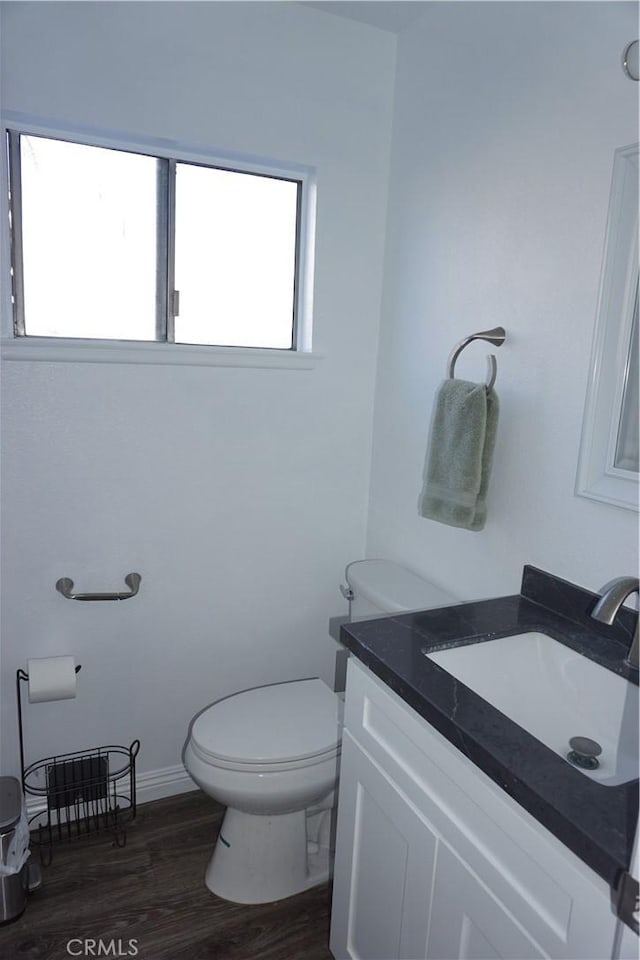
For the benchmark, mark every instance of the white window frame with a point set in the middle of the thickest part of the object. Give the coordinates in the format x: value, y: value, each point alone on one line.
x: 63, y: 349
x: 598, y: 478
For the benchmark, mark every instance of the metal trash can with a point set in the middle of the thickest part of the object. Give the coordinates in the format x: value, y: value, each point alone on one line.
x: 13, y: 886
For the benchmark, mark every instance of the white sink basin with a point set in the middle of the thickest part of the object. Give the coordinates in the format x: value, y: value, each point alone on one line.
x: 554, y: 693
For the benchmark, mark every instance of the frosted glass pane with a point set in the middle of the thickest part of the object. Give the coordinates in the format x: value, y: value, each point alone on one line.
x: 89, y: 241
x: 235, y: 248
x: 626, y: 457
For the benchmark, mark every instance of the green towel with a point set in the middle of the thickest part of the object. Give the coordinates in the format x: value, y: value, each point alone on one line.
x: 458, y: 466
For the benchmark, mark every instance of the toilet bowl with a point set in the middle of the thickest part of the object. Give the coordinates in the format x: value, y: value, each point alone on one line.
x: 269, y: 754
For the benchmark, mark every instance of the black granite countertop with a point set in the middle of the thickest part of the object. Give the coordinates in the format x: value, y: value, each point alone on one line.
x: 595, y: 821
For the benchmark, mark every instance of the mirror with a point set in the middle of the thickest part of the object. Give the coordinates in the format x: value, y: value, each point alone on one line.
x: 626, y: 456
x: 608, y: 467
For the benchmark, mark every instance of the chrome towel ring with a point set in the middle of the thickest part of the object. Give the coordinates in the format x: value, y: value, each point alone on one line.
x: 497, y: 336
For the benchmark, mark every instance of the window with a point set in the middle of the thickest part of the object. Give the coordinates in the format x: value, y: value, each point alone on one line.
x: 110, y: 244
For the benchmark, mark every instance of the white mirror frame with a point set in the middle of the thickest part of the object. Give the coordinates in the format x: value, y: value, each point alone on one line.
x: 598, y: 478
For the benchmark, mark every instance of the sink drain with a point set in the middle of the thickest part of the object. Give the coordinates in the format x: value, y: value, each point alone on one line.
x: 584, y: 753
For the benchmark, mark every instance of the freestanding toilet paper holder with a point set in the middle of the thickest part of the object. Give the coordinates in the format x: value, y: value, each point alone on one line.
x: 79, y: 793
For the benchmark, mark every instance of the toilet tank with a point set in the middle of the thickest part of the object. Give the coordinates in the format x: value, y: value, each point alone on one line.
x: 380, y: 587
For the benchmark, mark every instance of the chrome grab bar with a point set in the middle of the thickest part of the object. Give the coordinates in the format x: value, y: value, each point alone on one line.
x: 65, y: 586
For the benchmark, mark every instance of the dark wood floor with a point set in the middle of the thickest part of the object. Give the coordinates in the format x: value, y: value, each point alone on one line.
x: 153, y: 891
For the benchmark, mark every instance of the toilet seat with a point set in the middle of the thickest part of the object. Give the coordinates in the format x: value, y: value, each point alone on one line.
x: 284, y: 725
x: 251, y: 766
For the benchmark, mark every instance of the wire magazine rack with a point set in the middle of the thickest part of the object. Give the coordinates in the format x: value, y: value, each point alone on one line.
x: 79, y: 793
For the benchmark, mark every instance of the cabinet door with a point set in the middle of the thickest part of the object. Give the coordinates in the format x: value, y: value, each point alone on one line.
x: 468, y: 922
x: 628, y: 944
x: 383, y: 873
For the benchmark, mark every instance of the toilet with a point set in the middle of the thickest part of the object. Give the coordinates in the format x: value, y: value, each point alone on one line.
x: 271, y: 754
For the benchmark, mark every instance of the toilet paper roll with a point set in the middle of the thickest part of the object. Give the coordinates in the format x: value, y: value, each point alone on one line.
x: 51, y: 678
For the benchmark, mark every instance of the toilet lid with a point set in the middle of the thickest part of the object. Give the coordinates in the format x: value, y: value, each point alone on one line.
x: 273, y: 724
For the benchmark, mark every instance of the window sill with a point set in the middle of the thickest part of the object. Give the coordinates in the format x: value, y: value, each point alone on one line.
x: 54, y: 350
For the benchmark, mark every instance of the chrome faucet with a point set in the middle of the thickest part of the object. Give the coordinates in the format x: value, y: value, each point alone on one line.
x: 606, y: 609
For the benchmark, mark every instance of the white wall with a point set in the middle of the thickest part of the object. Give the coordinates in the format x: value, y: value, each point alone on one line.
x: 238, y: 494
x: 506, y: 119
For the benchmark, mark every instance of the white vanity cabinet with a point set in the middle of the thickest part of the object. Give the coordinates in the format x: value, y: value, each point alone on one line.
x: 433, y: 860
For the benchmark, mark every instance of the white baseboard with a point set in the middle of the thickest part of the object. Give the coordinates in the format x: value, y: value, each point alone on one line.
x: 152, y: 785
x: 165, y: 782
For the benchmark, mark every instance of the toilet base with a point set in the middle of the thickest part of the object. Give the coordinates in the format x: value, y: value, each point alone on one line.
x: 259, y: 859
